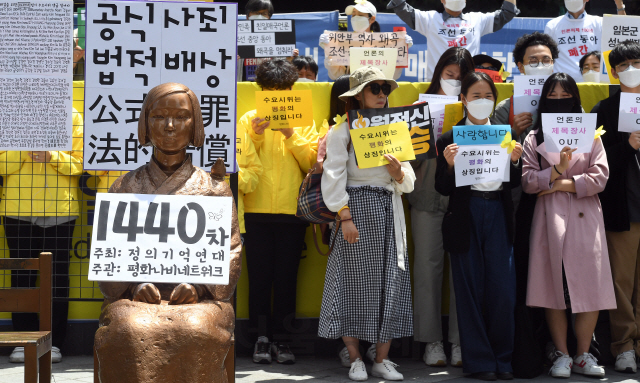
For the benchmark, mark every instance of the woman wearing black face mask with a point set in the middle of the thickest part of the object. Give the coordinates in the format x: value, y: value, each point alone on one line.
x: 568, y: 258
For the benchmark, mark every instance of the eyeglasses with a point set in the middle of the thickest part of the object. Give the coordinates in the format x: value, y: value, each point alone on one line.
x: 534, y: 62
x: 375, y: 88
x: 625, y: 65
x: 487, y: 68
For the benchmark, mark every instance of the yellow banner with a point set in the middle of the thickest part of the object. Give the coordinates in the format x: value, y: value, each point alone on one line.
x: 285, y: 108
x: 372, y: 143
x: 453, y: 113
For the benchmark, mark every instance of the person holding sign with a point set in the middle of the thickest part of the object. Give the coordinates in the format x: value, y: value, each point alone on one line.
x: 452, y: 28
x: 576, y: 33
x: 621, y: 205
x: 275, y: 236
x: 428, y: 208
x: 367, y: 291
x: 477, y: 231
x: 568, y: 257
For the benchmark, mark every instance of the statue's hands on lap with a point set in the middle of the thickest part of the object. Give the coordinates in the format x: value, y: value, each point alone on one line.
x: 148, y: 293
x: 184, y: 294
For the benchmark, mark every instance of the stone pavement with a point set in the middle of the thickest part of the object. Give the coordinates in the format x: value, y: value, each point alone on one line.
x: 76, y: 369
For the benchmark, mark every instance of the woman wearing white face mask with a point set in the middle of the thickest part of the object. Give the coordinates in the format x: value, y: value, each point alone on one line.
x: 363, y: 19
x: 590, y: 66
x: 478, y: 233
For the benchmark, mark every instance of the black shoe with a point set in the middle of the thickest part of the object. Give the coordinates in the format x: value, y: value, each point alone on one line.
x: 488, y: 376
x: 505, y: 375
x: 283, y: 353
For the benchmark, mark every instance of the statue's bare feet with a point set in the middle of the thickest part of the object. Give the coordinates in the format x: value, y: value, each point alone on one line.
x: 183, y: 294
x: 148, y: 293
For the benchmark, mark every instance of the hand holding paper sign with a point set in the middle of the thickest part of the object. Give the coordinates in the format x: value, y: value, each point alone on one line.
x: 394, y: 168
x: 450, y: 154
x: 259, y: 125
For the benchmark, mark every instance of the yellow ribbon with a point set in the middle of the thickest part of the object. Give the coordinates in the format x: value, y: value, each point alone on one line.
x: 508, y: 143
x: 324, y: 129
x: 360, y: 2
x: 340, y: 119
x: 599, y: 132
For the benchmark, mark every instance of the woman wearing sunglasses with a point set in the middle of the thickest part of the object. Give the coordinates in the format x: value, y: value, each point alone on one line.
x: 367, y: 290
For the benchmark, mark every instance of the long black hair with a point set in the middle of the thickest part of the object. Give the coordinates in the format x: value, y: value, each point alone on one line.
x: 569, y: 85
x: 336, y: 105
x: 454, y: 55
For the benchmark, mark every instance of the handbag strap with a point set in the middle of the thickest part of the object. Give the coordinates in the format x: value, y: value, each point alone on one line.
x: 315, y: 239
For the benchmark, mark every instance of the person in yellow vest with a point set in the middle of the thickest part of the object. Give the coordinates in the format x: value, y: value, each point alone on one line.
x: 39, y: 207
x: 249, y: 170
x: 275, y: 236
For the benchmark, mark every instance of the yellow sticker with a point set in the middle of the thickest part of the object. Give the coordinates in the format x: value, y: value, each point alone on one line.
x: 285, y: 108
x: 453, y: 113
x: 372, y: 143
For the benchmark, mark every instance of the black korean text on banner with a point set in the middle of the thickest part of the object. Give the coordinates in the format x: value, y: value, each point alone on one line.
x: 134, y: 46
x: 266, y: 38
x: 337, y: 51
x: 161, y: 238
x: 416, y: 116
x: 36, y: 75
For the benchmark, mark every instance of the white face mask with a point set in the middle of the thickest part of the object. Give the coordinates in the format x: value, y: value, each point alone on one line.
x: 591, y: 76
x: 359, y: 23
x: 455, y: 5
x: 450, y: 87
x: 630, y: 77
x: 574, y: 6
x: 481, y: 108
x: 304, y: 79
x: 539, y: 70
x: 258, y: 17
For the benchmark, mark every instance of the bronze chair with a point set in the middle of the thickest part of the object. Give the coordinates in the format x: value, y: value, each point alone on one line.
x: 37, y: 344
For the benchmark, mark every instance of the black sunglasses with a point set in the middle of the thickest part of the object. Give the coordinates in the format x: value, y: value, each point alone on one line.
x: 375, y: 88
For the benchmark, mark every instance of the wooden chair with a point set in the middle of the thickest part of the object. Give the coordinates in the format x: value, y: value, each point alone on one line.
x: 37, y: 344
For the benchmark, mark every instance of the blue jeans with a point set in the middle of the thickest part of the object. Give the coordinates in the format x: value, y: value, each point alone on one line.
x: 485, y: 288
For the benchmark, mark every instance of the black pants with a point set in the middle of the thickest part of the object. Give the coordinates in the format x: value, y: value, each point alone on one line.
x: 28, y: 241
x: 273, y: 254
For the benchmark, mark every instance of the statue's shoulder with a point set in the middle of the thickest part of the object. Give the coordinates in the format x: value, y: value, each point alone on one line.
x: 132, y: 182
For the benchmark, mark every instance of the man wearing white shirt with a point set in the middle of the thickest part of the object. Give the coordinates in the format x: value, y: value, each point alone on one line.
x: 576, y: 34
x: 452, y: 28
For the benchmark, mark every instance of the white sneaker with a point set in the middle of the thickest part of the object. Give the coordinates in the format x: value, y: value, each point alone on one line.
x: 434, y: 355
x: 17, y: 355
x: 371, y: 353
x: 262, y: 351
x: 456, y: 355
x: 626, y: 362
x: 587, y: 364
x: 344, y: 357
x: 358, y: 372
x: 386, y: 370
x: 561, y: 366
x: 56, y: 356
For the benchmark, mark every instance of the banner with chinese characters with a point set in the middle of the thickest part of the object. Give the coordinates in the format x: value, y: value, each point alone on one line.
x: 285, y: 108
x: 437, y: 104
x: 475, y: 164
x: 36, y: 75
x: 135, y: 46
x: 161, y: 238
x: 616, y: 29
x: 629, y: 117
x: 337, y: 51
x: 372, y: 143
x: 266, y: 38
x: 381, y: 58
x: 575, y: 130
x: 417, y: 119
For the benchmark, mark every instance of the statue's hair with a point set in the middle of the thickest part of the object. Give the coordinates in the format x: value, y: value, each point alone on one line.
x: 197, y: 135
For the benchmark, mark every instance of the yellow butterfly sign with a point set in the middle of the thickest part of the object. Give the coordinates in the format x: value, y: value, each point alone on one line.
x: 372, y: 143
x: 508, y: 143
x: 285, y: 108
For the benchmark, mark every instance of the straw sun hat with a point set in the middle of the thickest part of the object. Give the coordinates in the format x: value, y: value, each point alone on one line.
x: 363, y: 76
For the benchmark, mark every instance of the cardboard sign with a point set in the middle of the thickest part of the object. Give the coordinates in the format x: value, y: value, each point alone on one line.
x: 337, y: 51
x: 575, y: 130
x: 475, y: 164
x: 285, y: 108
x: 266, y: 38
x: 161, y: 238
x: 615, y: 29
x: 522, y: 104
x: 372, y: 143
x: 437, y: 104
x: 629, y: 117
x: 480, y: 134
x: 381, y: 58
x: 417, y: 119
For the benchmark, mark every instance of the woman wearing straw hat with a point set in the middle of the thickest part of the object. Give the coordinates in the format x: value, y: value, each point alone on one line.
x: 367, y: 291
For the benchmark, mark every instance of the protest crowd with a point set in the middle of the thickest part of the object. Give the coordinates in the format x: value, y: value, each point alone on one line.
x: 530, y: 203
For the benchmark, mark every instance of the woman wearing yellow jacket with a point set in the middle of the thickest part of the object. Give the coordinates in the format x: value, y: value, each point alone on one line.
x: 249, y: 170
x: 275, y: 237
x: 39, y: 207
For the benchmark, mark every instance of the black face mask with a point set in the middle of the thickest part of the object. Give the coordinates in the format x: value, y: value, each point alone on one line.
x: 560, y: 105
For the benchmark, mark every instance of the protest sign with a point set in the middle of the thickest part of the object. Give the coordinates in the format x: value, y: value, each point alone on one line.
x: 522, y: 104
x: 528, y: 85
x: 135, y: 46
x: 416, y: 116
x: 285, y: 108
x: 337, y: 51
x: 480, y: 134
x: 476, y: 164
x: 629, y: 117
x: 437, y: 105
x: 575, y: 130
x: 266, y: 38
x: 161, y: 238
x: 372, y: 143
x: 381, y: 58
x: 36, y: 75
x: 616, y: 29
x: 453, y: 113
